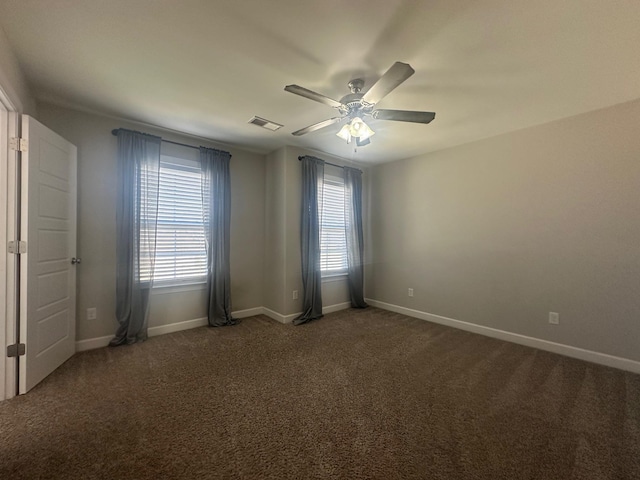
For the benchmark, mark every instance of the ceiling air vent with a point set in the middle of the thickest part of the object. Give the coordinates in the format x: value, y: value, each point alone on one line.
x: 264, y: 123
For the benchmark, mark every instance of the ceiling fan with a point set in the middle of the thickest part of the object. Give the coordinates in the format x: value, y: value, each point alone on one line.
x: 356, y: 105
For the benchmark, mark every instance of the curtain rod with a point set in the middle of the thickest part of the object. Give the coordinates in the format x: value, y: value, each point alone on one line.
x: 114, y: 132
x: 328, y: 163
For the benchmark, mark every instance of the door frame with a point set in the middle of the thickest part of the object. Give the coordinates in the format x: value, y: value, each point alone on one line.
x: 9, y: 217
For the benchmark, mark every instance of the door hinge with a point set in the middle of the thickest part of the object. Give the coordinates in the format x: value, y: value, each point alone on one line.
x: 15, y: 350
x: 17, y: 247
x: 18, y: 144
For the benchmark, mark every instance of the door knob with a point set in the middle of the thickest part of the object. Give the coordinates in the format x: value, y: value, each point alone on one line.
x: 75, y: 260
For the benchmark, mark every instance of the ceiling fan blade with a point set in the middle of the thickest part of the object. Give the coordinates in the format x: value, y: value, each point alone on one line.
x: 316, y: 126
x: 303, y: 92
x: 393, y: 77
x: 404, y: 116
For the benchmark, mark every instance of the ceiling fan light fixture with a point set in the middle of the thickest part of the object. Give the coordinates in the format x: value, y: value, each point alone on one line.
x: 359, y: 129
x: 355, y: 129
x: 365, y: 131
x: 356, y: 126
x: 362, y: 143
x: 345, y: 133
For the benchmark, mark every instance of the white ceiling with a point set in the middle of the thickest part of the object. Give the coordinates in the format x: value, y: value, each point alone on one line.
x: 206, y: 67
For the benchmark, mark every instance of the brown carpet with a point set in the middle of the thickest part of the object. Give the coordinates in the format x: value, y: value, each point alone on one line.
x: 355, y: 395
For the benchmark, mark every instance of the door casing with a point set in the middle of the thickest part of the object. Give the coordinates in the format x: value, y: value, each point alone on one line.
x: 9, y: 230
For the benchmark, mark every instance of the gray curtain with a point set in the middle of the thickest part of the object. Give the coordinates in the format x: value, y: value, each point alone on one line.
x: 354, y: 235
x: 216, y: 213
x: 136, y: 225
x: 312, y: 181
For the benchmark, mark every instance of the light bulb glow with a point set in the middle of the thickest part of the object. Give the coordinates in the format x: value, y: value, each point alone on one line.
x: 355, y: 129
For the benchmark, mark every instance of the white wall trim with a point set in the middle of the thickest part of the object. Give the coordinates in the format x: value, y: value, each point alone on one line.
x: 249, y: 312
x: 291, y: 317
x: 93, y: 343
x: 278, y: 317
x: 559, y: 348
x: 177, y: 327
x: 337, y: 307
x: 99, y: 342
x: 9, y: 204
x: 4, y: 218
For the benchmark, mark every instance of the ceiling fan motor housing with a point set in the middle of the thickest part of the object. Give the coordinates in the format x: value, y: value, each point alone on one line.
x: 352, y: 104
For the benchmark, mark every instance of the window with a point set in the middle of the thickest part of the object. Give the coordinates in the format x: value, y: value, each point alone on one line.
x: 181, y: 255
x: 333, y: 241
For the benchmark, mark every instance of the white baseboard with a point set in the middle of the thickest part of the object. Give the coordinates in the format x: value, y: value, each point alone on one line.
x: 92, y: 343
x: 337, y: 307
x: 177, y: 327
x: 100, y: 342
x: 278, y: 317
x: 291, y: 317
x: 249, y: 312
x: 559, y: 348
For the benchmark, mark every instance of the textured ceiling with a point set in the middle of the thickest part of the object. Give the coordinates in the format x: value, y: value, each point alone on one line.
x: 205, y: 68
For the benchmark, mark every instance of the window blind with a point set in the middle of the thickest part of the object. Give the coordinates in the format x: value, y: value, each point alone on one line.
x: 180, y: 243
x: 333, y: 242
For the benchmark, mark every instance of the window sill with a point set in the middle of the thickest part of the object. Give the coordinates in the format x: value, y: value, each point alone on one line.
x: 178, y: 288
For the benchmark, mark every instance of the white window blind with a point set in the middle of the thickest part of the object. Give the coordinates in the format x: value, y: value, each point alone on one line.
x: 181, y: 255
x: 333, y: 242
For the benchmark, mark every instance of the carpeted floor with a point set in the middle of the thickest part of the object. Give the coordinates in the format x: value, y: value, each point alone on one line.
x: 358, y: 394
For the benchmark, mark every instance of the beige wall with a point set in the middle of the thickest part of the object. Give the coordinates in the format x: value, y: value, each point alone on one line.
x: 274, y: 261
x: 12, y: 80
x: 96, y: 224
x: 501, y: 231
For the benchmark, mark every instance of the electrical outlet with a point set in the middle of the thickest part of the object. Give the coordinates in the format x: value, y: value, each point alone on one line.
x: 411, y: 292
x: 295, y: 294
x: 92, y: 313
x: 554, y: 318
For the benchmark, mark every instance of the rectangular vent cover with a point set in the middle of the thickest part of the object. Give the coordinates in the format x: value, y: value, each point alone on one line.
x: 264, y: 123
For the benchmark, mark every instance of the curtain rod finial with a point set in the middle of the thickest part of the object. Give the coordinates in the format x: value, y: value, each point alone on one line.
x: 114, y: 132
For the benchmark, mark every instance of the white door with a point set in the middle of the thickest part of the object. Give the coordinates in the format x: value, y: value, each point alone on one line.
x: 47, y: 275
